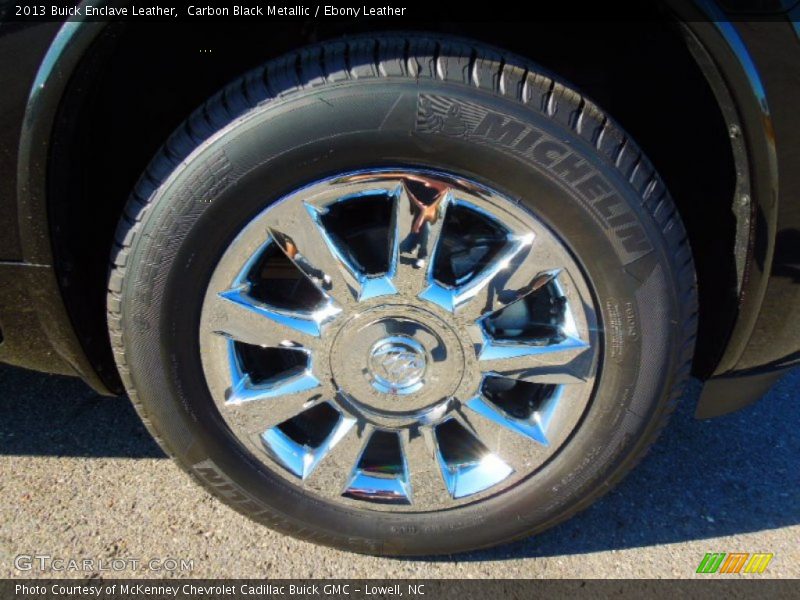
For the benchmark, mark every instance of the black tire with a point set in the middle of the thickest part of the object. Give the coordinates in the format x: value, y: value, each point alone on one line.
x: 378, y: 102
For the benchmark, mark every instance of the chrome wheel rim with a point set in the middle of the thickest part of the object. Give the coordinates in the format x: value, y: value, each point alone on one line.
x: 399, y: 340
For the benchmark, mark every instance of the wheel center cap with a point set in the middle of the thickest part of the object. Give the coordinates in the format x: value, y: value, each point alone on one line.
x: 395, y: 362
x: 397, y: 365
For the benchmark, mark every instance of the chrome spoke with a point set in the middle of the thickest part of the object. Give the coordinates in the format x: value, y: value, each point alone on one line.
x: 568, y: 361
x: 416, y: 230
x: 353, y: 188
x: 466, y: 479
x: 255, y: 408
x: 484, y: 283
x: 299, y: 459
x: 522, y: 276
x: 509, y: 441
x: 424, y: 467
x: 491, y: 425
x: 469, y: 475
x: 236, y: 315
x: 299, y: 233
x: 334, y: 469
x: 382, y: 482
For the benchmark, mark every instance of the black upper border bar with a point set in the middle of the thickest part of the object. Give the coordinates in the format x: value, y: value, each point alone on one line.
x: 396, y: 11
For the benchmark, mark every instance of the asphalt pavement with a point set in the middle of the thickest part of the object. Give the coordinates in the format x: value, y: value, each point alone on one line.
x: 80, y: 478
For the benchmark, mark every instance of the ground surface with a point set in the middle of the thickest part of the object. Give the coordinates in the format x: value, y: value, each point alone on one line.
x: 81, y: 478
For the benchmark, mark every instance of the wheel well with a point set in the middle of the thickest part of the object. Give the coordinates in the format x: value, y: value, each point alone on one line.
x: 140, y: 81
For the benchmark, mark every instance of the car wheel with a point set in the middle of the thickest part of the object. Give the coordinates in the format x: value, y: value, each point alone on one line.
x: 404, y: 296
